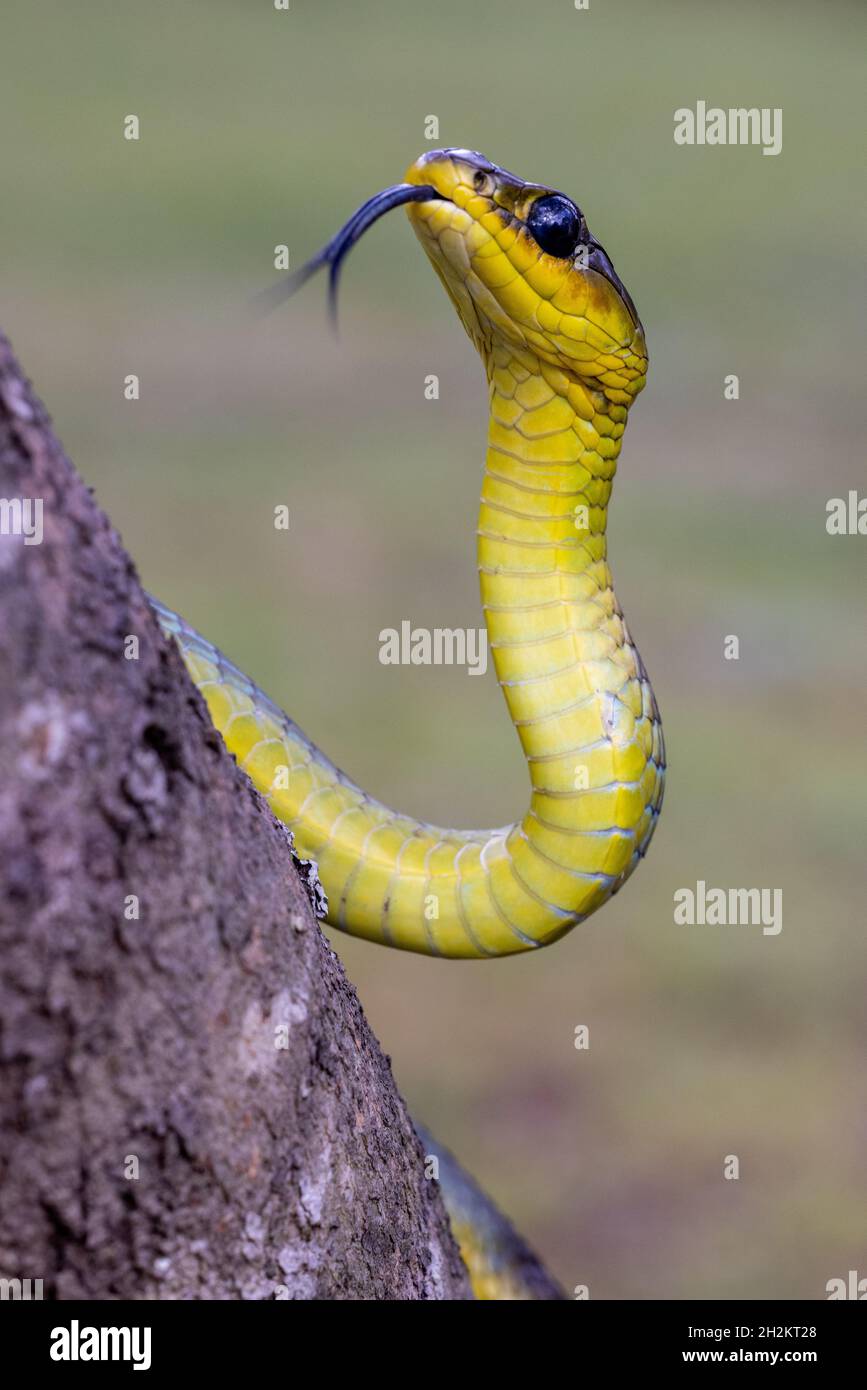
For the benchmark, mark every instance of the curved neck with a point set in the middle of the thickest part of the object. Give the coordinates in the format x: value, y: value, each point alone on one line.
x: 572, y: 679
x: 574, y: 683
x: 551, y: 459
x: 555, y: 628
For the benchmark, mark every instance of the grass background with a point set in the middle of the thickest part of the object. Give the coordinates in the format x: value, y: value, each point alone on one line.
x: 261, y: 127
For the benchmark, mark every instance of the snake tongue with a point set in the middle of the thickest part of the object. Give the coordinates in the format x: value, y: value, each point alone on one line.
x: 600, y: 261
x: 335, y: 251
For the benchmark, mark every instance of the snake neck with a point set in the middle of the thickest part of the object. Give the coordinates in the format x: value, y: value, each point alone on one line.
x: 574, y: 683
x: 576, y: 690
x: 542, y: 545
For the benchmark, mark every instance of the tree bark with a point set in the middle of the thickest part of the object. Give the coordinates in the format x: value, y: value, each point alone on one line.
x: 193, y: 1105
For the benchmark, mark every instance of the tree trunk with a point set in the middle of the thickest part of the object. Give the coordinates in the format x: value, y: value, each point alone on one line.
x: 193, y: 1105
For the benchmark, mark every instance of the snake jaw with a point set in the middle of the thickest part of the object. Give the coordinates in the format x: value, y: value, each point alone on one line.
x: 599, y: 260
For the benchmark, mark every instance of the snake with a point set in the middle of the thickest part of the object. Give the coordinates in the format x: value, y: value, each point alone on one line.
x: 564, y: 356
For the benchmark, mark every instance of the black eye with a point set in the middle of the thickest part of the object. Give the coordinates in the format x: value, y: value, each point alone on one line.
x: 555, y: 224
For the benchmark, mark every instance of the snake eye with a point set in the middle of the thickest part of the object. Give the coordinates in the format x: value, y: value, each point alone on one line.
x: 555, y: 223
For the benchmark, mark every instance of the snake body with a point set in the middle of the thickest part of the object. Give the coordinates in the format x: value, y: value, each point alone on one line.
x: 564, y: 356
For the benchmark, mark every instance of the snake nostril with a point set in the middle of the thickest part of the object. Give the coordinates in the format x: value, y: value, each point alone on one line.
x: 481, y: 182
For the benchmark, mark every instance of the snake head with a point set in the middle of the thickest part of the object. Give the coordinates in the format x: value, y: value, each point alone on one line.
x: 520, y: 264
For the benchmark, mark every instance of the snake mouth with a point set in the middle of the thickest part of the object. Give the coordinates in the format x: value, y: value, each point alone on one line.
x: 599, y: 260
x: 334, y: 252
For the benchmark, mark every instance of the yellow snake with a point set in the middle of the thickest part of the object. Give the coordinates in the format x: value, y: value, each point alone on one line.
x: 565, y: 356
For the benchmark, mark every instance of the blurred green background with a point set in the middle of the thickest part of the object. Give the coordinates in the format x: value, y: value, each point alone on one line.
x: 260, y: 128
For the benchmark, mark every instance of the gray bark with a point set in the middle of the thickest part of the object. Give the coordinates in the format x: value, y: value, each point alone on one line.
x: 157, y: 1140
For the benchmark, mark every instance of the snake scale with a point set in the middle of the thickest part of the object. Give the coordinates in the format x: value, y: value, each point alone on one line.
x: 564, y: 355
